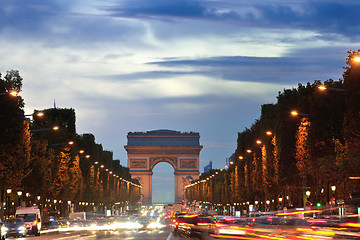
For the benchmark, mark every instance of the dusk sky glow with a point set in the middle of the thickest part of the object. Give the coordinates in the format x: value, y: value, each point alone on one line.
x: 205, y: 66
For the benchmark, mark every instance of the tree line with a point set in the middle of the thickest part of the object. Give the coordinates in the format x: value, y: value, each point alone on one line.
x: 288, y: 158
x: 55, y: 166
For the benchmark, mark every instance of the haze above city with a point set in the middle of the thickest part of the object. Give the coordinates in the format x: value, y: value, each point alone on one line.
x: 201, y: 66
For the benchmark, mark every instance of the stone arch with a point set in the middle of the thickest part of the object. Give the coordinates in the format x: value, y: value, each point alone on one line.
x: 154, y: 161
x: 180, y: 150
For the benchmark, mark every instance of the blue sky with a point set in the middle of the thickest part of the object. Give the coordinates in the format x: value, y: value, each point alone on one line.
x: 205, y: 66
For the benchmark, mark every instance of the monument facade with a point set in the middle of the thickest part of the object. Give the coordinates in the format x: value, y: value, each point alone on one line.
x: 146, y: 149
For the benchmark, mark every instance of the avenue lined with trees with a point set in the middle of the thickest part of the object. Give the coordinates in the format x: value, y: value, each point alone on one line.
x: 303, y: 149
x: 44, y: 161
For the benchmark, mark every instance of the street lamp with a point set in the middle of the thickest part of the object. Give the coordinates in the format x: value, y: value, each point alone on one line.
x: 268, y: 133
x: 55, y: 128
x: 8, y: 191
x: 296, y: 113
x: 11, y: 93
x: 19, y: 193
x: 324, y: 88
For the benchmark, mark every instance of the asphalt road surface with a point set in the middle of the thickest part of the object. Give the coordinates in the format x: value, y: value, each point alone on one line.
x: 164, y: 234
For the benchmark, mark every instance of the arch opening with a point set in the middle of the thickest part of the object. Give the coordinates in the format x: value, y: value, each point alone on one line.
x: 163, y: 182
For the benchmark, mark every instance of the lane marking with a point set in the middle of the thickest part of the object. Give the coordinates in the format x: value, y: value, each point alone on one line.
x: 170, y: 235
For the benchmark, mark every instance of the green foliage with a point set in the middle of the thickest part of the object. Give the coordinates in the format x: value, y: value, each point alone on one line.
x: 14, y: 134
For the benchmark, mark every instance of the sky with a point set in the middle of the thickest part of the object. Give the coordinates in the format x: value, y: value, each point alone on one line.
x: 205, y: 66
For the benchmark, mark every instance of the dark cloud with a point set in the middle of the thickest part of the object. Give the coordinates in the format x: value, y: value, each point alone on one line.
x: 183, y: 8
x: 300, y: 66
x: 28, y: 15
x: 322, y: 16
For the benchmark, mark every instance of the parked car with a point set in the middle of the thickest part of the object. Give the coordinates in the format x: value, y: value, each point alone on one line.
x: 15, y: 227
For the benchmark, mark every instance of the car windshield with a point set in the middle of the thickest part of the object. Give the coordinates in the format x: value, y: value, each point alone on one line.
x: 27, y: 217
x: 14, y: 221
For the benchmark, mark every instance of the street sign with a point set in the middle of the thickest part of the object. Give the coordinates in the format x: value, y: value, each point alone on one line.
x: 332, y: 201
x: 308, y: 204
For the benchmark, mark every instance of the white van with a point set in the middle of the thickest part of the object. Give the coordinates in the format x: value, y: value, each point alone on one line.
x: 32, y: 218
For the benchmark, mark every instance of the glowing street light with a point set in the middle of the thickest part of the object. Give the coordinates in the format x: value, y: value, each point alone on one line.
x: 258, y: 142
x: 241, y: 157
x: 324, y: 88
x: 11, y: 93
x: 268, y: 133
x: 294, y: 113
x: 248, y: 151
x: 356, y: 59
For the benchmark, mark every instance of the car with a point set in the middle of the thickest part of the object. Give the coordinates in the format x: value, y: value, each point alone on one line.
x: 2, y: 231
x: 51, y: 226
x: 32, y: 218
x: 15, y: 227
x: 192, y: 225
x: 229, y: 226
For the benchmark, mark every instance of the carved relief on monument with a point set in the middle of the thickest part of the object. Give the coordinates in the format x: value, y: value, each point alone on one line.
x: 137, y: 163
x: 187, y: 180
x: 187, y: 163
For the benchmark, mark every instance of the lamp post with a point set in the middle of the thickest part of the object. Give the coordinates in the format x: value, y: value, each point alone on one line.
x: 280, y: 202
x: 19, y: 193
x: 8, y: 191
x: 333, y: 188
x: 11, y: 93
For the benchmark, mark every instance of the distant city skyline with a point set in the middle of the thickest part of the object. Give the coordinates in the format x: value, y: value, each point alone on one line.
x: 185, y: 65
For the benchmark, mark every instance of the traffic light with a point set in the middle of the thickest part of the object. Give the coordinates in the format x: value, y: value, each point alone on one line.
x: 318, y: 204
x: 205, y: 207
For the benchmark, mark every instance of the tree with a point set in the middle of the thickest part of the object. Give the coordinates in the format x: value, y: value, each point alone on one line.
x: 14, y: 134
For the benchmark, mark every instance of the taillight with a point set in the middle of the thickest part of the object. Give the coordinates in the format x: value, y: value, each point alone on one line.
x: 202, y: 224
x: 219, y: 225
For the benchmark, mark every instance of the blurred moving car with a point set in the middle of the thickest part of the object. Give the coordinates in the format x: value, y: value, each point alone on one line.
x: 15, y: 227
x: 2, y: 231
x: 51, y: 226
x: 229, y: 226
x: 192, y: 225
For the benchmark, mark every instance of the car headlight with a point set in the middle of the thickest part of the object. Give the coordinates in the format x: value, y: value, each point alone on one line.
x: 5, y: 229
x: 21, y: 228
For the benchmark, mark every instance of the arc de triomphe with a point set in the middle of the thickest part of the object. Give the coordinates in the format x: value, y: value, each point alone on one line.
x: 146, y: 149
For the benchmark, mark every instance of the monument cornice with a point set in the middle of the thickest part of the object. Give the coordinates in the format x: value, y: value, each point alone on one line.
x: 166, y: 148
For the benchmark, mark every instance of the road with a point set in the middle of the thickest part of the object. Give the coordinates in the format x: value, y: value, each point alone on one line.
x: 164, y: 234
